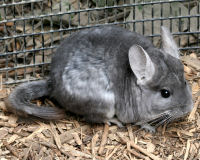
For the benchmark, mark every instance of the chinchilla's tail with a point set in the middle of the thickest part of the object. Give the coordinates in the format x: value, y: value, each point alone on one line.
x: 19, y: 101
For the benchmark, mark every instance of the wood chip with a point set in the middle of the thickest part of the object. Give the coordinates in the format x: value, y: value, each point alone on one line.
x: 1, y: 81
x: 3, y: 133
x: 75, y: 152
x: 6, y: 124
x: 3, y: 93
x: 77, y: 138
x: 192, y: 114
x: 187, y: 69
x: 55, y: 135
x: 27, y: 153
x: 130, y: 132
x: 113, y: 152
x: 48, y: 144
x: 193, y: 55
x: 179, y: 131
x: 3, y: 106
x: 144, y: 151
x: 13, y: 138
x: 11, y: 149
x: 94, y: 141
x: 193, y: 62
x: 104, y: 138
x: 37, y: 131
x: 187, y: 150
x: 137, y: 154
x: 66, y: 136
x: 150, y: 147
x: 195, y: 87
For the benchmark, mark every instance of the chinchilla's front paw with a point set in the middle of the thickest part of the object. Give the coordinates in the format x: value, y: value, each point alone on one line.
x: 147, y: 127
x: 115, y: 121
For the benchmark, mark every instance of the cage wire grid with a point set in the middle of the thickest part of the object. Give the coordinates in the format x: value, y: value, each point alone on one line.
x: 30, y: 30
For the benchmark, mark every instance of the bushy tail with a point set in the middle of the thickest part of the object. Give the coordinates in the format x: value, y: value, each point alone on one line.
x: 19, y: 101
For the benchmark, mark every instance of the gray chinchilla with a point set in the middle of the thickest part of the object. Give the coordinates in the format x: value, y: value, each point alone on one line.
x: 110, y: 75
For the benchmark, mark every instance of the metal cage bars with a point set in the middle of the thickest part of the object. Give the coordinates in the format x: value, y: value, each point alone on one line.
x: 32, y: 17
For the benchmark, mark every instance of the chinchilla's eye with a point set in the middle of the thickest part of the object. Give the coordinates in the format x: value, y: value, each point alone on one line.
x: 164, y: 93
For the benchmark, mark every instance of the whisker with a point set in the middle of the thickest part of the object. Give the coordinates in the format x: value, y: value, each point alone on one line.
x: 162, y: 118
x: 171, y: 119
x: 154, y: 119
x: 166, y: 119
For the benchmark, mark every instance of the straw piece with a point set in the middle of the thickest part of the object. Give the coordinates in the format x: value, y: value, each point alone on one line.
x: 104, y: 138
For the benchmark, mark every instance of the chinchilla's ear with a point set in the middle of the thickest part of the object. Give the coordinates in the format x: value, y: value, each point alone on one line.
x: 168, y: 43
x: 141, y: 64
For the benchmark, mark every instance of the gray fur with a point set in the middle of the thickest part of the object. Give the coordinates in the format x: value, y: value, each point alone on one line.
x: 93, y: 75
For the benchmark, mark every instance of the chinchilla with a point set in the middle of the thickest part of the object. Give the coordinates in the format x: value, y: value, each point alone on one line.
x: 110, y: 75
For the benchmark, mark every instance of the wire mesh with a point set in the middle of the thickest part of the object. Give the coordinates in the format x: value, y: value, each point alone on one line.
x: 30, y: 30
